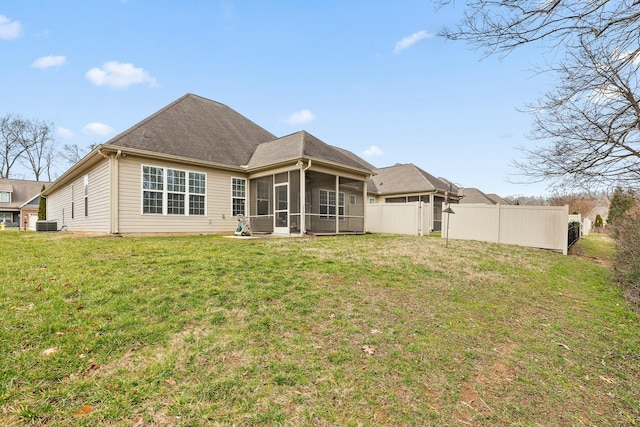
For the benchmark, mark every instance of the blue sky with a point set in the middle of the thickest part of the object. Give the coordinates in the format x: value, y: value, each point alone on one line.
x: 368, y: 76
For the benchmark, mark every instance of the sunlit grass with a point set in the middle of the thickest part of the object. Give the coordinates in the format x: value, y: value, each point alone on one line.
x: 347, y: 330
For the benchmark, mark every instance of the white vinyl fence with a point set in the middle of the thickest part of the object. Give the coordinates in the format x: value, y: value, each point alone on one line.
x: 534, y: 226
x: 412, y: 218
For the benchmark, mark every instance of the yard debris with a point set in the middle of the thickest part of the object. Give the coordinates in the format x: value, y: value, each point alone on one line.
x: 562, y: 345
x: 50, y: 351
x: 368, y: 349
x: 84, y: 410
x: 26, y: 308
x: 375, y: 331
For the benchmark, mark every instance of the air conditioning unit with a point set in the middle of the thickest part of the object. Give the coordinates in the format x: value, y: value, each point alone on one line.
x: 46, y: 225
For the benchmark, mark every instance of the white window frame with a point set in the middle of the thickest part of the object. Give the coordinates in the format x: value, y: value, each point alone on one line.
x: 331, y: 214
x: 237, y: 196
x: 8, y: 196
x: 188, y: 187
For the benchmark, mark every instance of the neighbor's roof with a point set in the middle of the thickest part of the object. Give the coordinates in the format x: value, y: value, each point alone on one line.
x: 22, y: 191
x: 301, y: 145
x: 198, y: 128
x: 405, y: 178
x: 498, y: 199
x: 473, y: 195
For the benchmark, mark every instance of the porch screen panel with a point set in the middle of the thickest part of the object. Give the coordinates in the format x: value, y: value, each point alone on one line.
x: 294, y: 201
x: 351, y: 206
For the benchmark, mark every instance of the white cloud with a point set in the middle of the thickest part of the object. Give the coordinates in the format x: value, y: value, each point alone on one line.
x: 98, y: 129
x: 65, y: 133
x: 9, y: 29
x: 49, y: 61
x: 302, y: 116
x: 118, y: 75
x: 406, y: 42
x: 372, y: 151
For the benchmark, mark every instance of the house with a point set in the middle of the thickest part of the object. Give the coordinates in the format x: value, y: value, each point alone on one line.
x: 473, y: 195
x: 19, y: 200
x: 196, y: 164
x: 402, y: 183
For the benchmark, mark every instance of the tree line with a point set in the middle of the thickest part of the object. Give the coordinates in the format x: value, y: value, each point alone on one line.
x: 30, y: 143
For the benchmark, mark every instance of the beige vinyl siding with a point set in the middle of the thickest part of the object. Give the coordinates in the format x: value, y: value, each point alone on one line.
x: 217, y: 218
x: 59, y: 202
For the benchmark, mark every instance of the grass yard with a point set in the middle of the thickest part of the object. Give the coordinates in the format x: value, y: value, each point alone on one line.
x: 347, y: 330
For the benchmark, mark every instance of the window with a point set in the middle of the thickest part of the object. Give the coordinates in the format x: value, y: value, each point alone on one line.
x: 328, y: 204
x: 172, y: 191
x: 353, y: 199
x: 5, y: 197
x: 238, y: 196
x: 176, y: 188
x: 6, y: 217
x: 262, y: 197
x: 73, y: 208
x: 152, y: 190
x: 372, y: 200
x: 86, y: 195
x: 197, y: 191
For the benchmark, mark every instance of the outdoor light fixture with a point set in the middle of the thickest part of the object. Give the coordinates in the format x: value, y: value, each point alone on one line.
x: 448, y: 211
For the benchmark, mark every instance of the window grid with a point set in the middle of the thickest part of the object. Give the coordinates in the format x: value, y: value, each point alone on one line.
x: 167, y: 191
x: 328, y: 204
x: 238, y: 196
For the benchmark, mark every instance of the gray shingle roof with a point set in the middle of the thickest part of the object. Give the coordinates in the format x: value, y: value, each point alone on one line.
x: 304, y: 145
x: 22, y: 191
x: 197, y: 128
x: 405, y: 178
x: 473, y: 195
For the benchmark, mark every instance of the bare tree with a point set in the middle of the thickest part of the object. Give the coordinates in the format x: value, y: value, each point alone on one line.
x: 588, y: 125
x: 72, y: 153
x: 10, y: 147
x: 582, y: 204
x: 36, y: 138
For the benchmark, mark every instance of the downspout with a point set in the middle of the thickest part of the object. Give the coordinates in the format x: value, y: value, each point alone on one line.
x: 113, y: 189
x: 116, y: 193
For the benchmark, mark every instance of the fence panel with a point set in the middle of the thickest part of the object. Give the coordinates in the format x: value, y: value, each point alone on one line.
x: 534, y: 226
x: 398, y: 218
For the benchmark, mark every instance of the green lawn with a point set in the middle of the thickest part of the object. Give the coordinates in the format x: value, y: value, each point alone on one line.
x: 347, y: 330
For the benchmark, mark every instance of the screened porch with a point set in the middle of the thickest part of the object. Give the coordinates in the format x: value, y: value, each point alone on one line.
x: 333, y: 204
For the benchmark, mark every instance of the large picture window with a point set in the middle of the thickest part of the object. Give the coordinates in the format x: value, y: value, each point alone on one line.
x: 173, y: 192
x: 238, y: 196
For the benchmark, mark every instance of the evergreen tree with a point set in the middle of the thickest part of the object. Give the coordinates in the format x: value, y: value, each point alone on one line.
x: 42, y: 206
x: 621, y: 201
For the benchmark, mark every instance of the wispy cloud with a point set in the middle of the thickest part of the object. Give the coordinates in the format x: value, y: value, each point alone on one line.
x: 414, y: 38
x: 97, y: 129
x: 115, y: 74
x: 49, y: 61
x: 9, y: 29
x: 65, y: 133
x: 373, y: 151
x: 302, y: 116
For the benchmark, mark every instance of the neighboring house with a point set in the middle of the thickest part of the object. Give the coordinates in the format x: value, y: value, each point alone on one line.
x: 196, y: 164
x: 19, y: 200
x: 473, y: 195
x: 498, y: 200
x: 402, y: 183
